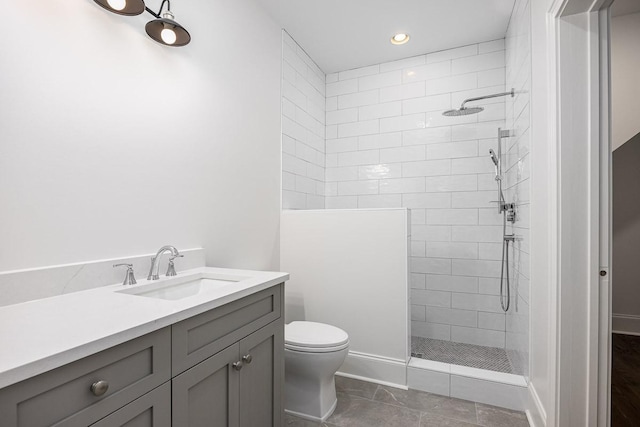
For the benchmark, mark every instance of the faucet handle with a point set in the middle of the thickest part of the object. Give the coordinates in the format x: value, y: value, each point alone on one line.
x: 129, y: 278
x: 171, y: 269
x: 123, y: 264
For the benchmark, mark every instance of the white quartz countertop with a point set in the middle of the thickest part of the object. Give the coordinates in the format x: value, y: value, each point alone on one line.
x: 40, y: 335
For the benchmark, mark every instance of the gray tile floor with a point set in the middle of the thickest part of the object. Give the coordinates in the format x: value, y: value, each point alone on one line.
x: 363, y: 404
x: 474, y: 356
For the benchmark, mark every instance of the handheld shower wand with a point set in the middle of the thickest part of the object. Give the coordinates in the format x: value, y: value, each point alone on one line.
x: 495, y: 161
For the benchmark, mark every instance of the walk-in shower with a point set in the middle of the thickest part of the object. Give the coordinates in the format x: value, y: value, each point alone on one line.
x: 484, y: 357
x: 481, y: 356
x: 506, y: 209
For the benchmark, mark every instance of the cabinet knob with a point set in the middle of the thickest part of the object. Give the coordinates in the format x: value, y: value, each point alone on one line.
x: 247, y: 359
x: 237, y: 366
x: 99, y: 387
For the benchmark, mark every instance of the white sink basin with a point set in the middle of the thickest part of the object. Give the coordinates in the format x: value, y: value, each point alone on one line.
x: 179, y: 288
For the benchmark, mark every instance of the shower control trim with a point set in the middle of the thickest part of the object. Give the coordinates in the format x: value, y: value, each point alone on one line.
x: 510, y: 208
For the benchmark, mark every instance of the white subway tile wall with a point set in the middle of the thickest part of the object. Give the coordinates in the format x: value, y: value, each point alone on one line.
x: 394, y: 148
x: 304, y: 123
x: 386, y: 144
x: 516, y: 160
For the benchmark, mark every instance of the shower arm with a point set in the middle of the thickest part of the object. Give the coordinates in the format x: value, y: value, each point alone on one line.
x: 480, y: 98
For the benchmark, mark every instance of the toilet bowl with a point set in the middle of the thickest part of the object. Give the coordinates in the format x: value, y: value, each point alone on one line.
x: 313, y: 352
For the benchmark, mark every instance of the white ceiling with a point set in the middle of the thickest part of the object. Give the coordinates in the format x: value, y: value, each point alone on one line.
x: 344, y: 34
x: 625, y: 7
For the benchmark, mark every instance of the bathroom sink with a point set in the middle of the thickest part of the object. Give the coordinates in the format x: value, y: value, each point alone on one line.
x: 179, y: 288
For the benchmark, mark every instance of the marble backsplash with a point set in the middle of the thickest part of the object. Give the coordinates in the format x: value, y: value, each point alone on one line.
x: 26, y: 285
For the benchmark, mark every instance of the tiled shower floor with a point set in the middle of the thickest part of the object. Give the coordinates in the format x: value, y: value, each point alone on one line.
x: 474, y: 356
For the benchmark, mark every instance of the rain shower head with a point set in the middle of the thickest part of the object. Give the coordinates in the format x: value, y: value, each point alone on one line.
x: 462, y: 111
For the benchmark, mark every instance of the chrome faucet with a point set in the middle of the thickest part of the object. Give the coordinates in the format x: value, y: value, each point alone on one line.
x: 155, y: 261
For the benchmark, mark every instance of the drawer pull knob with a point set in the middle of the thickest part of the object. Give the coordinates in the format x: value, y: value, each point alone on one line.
x: 99, y: 387
x: 247, y: 359
x: 237, y: 366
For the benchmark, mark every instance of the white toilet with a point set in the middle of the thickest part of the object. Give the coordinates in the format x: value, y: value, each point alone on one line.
x: 313, y: 352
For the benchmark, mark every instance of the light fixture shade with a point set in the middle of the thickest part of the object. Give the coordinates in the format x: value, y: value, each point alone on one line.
x: 154, y: 29
x: 131, y: 8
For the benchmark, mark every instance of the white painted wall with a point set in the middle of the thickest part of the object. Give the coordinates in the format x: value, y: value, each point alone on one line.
x: 349, y: 269
x: 625, y: 86
x: 113, y: 145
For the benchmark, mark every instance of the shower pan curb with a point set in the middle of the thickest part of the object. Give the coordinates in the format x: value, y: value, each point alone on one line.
x: 462, y: 382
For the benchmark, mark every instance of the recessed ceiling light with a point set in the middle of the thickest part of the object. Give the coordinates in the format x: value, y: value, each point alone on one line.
x: 400, y: 38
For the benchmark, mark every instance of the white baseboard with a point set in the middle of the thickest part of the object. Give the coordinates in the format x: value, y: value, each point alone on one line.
x: 536, y: 415
x: 375, y: 369
x: 625, y: 324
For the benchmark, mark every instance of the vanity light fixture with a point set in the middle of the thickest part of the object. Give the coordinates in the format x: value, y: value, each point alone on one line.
x: 164, y: 29
x: 123, y: 7
x: 400, y: 38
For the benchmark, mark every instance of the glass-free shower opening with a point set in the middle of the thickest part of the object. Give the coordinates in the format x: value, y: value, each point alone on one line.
x: 471, y: 355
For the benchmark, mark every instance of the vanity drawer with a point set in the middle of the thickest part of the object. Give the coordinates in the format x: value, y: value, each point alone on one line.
x: 151, y: 410
x: 202, y: 336
x: 63, y: 396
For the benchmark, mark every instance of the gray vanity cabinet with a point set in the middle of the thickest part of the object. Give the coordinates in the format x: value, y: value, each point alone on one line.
x: 237, y: 387
x: 240, y: 386
x: 223, y: 367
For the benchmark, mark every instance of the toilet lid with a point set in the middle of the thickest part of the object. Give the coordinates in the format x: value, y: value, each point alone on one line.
x: 314, y: 335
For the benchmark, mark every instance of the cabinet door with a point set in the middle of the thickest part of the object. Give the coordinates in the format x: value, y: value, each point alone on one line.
x: 151, y: 410
x: 207, y: 394
x: 261, y: 379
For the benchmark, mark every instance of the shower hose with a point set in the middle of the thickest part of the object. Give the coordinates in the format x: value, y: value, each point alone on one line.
x: 505, y: 266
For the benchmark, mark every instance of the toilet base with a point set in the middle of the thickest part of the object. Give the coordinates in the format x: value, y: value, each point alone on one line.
x: 311, y: 418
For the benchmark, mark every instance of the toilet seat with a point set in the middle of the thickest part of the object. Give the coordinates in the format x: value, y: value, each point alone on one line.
x: 315, y: 349
x: 313, y: 337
